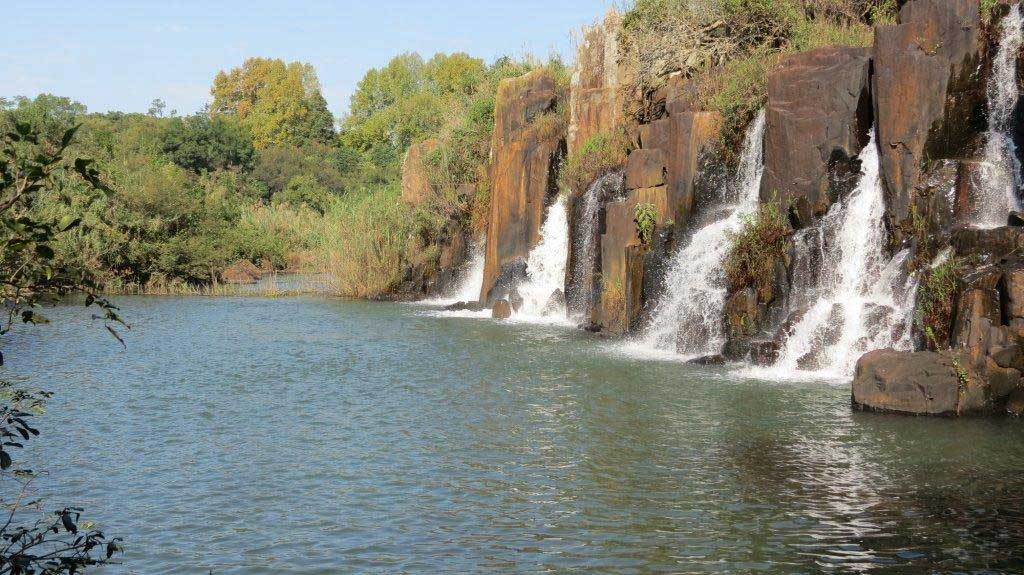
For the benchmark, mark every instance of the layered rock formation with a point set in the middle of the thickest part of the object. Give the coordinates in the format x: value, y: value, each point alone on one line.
x: 593, y: 102
x: 929, y: 92
x: 523, y: 177
x: 818, y: 118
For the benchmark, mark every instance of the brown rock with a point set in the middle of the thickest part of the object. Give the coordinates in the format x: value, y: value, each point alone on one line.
x: 922, y: 383
x: 988, y: 245
x: 690, y: 135
x: 1014, y: 289
x: 522, y: 173
x: 415, y: 182
x: 928, y: 92
x: 241, y: 272
x: 501, y: 309
x: 645, y: 169
x: 594, y: 106
x: 817, y: 122
x: 656, y: 135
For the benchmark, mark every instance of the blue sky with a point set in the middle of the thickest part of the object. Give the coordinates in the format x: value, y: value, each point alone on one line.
x: 120, y: 55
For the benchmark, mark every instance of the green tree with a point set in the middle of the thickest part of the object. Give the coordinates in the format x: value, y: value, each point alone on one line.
x: 32, y: 541
x: 202, y: 143
x: 280, y: 103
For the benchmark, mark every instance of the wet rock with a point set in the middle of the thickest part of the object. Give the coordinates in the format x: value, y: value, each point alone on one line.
x: 555, y: 303
x: 708, y: 360
x: 523, y: 173
x: 988, y: 245
x: 1016, y: 219
x: 929, y: 93
x: 1015, y: 403
x: 465, y: 306
x: 515, y: 300
x: 501, y: 309
x: 921, y: 383
x: 818, y: 118
x: 764, y: 352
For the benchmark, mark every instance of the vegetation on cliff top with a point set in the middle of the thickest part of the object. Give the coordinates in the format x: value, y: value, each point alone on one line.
x: 728, y: 46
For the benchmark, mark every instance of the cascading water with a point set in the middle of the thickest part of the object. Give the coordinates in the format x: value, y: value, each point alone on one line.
x: 545, y: 268
x: 858, y: 301
x: 1000, y: 171
x: 585, y: 244
x: 470, y: 283
x: 688, y: 319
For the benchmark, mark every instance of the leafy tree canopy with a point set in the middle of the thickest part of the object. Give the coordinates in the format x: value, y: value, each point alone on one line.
x: 280, y: 103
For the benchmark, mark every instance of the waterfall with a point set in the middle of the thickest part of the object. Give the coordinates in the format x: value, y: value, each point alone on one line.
x: 586, y: 243
x: 688, y: 318
x: 1000, y: 170
x: 470, y: 283
x: 857, y: 301
x: 545, y: 268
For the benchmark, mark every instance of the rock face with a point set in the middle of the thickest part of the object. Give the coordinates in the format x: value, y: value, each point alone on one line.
x: 817, y: 121
x: 415, y: 183
x: 928, y: 91
x: 523, y: 173
x: 594, y: 105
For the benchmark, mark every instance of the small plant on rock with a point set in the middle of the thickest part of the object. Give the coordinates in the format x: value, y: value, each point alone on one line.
x: 759, y: 244
x: 935, y: 299
x: 645, y: 216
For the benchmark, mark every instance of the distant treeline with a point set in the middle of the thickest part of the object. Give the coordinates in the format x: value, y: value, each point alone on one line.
x: 265, y: 173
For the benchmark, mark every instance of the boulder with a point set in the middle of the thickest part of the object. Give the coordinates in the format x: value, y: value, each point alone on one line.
x: 241, y: 272
x: 501, y: 309
x: 523, y: 172
x: 817, y: 122
x: 929, y: 93
x: 415, y: 181
x: 1015, y: 403
x: 921, y: 383
x: 645, y: 169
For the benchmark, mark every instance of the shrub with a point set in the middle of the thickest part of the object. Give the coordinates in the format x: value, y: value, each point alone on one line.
x: 645, y: 217
x: 598, y: 155
x: 936, y: 297
x: 757, y: 246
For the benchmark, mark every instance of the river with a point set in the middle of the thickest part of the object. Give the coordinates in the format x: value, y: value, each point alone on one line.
x: 314, y: 435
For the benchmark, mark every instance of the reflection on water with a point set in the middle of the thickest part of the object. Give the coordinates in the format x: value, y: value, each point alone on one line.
x: 247, y: 435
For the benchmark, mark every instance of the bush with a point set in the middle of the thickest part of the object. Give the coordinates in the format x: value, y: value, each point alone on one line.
x: 936, y: 296
x: 759, y: 244
x: 597, y: 156
x: 645, y: 216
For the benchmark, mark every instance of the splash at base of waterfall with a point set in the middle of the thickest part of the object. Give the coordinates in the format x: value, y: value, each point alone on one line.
x: 687, y: 321
x: 858, y: 301
x: 471, y: 280
x: 545, y: 271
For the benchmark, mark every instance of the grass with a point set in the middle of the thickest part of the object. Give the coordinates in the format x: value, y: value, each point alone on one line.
x: 598, y: 155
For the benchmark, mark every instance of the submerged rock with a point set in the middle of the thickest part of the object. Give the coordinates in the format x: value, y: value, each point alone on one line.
x: 465, y: 306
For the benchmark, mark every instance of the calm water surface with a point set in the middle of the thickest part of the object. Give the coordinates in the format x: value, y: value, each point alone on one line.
x: 247, y: 435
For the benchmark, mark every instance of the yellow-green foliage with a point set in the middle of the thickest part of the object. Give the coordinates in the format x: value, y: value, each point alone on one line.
x: 363, y: 242
x: 756, y: 248
x: 598, y: 155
